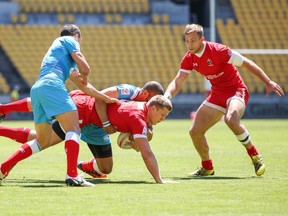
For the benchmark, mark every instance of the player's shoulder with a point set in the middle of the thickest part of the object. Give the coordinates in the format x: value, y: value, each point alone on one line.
x: 213, y: 46
x: 126, y: 86
x: 67, y: 38
x: 69, y: 41
x: 127, y: 91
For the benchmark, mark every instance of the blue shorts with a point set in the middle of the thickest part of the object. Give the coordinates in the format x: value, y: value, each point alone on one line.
x: 49, y: 99
x: 95, y: 135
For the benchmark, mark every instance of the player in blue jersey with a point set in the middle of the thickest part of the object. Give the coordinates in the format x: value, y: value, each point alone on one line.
x: 97, y: 138
x: 51, y: 100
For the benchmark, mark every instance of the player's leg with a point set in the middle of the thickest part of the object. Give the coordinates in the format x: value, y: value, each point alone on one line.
x: 235, y: 111
x: 101, y: 164
x: 105, y: 153
x: 99, y: 143
x: 28, y: 149
x: 43, y: 128
x: 23, y: 135
x: 20, y: 135
x: 205, y: 118
x: 69, y: 121
x: 23, y: 105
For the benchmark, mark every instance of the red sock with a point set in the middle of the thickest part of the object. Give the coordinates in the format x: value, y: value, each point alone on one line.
x: 86, y: 166
x: 252, y: 151
x: 23, y: 152
x: 207, y: 165
x: 16, y: 106
x: 17, y: 134
x: 72, y: 151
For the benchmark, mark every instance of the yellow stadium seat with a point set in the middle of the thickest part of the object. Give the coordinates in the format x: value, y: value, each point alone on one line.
x: 14, y: 18
x: 23, y: 18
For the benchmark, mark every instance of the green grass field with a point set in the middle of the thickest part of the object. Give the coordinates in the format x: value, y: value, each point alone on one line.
x: 36, y: 186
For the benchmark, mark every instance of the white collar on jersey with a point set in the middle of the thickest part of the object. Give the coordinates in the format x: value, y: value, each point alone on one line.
x: 202, y: 51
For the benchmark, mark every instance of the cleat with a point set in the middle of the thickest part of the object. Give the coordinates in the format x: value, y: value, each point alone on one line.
x: 78, y: 181
x: 201, y: 172
x: 3, y: 176
x: 93, y: 173
x: 258, y: 165
x: 2, y: 117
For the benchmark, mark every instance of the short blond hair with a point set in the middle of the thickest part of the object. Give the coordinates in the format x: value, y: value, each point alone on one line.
x: 194, y: 28
x: 160, y: 102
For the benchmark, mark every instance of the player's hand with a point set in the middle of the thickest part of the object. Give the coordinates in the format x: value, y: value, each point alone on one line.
x: 272, y: 86
x: 169, y: 182
x: 162, y: 181
x: 76, y: 77
x: 110, y: 129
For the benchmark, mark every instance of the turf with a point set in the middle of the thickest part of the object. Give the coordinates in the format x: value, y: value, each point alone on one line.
x: 36, y: 186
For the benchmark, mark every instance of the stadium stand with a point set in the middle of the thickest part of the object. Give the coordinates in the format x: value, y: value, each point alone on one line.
x: 84, y: 6
x: 259, y: 24
x: 121, y: 53
x: 4, y: 87
x: 117, y: 54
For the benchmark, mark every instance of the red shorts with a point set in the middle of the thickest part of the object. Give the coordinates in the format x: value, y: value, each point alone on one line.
x: 219, y: 98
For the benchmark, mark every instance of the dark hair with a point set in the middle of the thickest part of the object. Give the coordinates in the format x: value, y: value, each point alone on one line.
x: 153, y: 86
x: 70, y: 30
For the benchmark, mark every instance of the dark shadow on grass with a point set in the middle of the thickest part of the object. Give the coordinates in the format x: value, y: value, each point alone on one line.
x: 33, y: 183
x: 37, y: 183
x: 207, y: 178
x: 109, y: 181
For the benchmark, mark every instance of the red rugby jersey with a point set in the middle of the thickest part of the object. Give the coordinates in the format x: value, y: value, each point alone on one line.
x: 212, y: 63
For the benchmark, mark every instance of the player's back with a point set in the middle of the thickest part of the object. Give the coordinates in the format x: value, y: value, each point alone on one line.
x: 57, y: 62
x: 126, y: 115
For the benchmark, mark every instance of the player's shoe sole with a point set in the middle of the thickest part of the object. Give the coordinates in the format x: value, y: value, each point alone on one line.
x: 201, y: 172
x: 94, y: 174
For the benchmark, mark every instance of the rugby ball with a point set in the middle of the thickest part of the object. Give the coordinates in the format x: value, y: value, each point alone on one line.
x: 124, y: 140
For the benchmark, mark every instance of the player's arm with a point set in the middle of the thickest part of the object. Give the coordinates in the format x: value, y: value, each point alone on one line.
x: 256, y: 70
x: 82, y: 64
x: 111, y: 92
x: 149, y: 158
x: 88, y: 89
x: 176, y: 84
x: 239, y: 60
x: 101, y: 109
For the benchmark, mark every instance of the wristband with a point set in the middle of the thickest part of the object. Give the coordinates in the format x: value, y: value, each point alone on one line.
x: 106, y: 124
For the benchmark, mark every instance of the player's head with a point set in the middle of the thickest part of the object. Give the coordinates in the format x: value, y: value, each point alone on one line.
x: 149, y: 90
x: 71, y: 30
x: 194, y: 37
x: 158, y: 108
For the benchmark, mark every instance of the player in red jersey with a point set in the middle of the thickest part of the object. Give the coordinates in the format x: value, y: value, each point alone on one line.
x: 228, y: 97
x: 129, y: 116
x: 97, y: 140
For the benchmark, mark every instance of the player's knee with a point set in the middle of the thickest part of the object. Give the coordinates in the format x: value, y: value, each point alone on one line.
x: 106, y: 170
x: 232, y: 121
x: 32, y: 135
x: 194, y: 132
